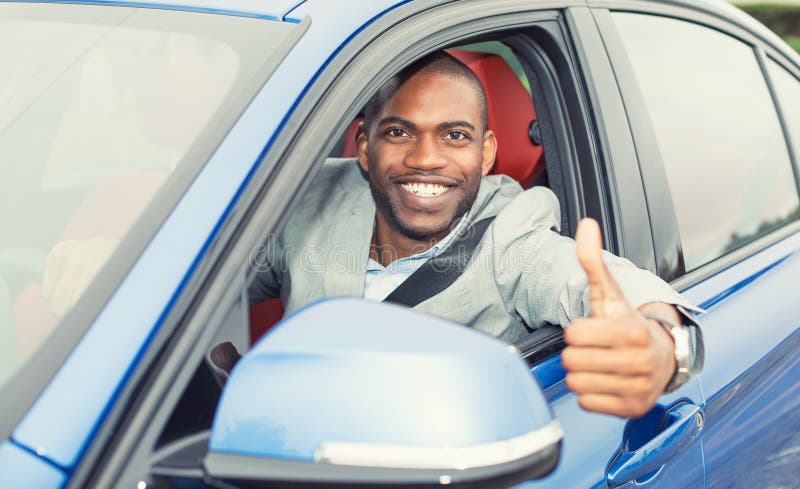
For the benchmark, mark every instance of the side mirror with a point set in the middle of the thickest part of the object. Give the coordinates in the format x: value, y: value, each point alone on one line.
x: 348, y: 392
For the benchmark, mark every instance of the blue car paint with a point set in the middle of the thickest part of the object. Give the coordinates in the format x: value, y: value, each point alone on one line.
x: 752, y: 369
x: 738, y: 297
x: 749, y: 305
x: 645, y: 460
x: 593, y: 441
x: 549, y: 372
x: 21, y: 469
x: 399, y: 354
x: 752, y: 437
x: 63, y: 419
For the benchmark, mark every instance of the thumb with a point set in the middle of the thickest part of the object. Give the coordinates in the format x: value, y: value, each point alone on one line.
x: 605, y: 297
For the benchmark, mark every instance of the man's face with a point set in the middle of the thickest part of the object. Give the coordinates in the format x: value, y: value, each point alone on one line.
x: 425, y: 153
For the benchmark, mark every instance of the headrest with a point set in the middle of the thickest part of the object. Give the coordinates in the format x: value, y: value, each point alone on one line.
x: 511, y: 113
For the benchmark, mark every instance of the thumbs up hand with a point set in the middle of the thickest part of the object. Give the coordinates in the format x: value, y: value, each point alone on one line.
x: 617, y: 361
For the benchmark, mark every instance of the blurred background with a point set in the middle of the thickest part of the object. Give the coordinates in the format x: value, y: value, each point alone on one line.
x: 782, y: 16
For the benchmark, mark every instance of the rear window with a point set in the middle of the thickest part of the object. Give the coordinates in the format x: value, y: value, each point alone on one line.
x: 99, y: 106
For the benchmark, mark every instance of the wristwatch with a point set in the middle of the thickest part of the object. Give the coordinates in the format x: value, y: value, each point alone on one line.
x: 689, y: 352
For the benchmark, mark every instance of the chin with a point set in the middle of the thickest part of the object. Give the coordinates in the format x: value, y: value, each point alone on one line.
x: 426, y: 231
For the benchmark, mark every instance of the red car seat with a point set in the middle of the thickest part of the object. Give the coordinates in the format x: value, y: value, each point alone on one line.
x: 511, y: 113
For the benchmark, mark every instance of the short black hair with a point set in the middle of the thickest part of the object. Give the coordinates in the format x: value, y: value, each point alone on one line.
x: 437, y: 62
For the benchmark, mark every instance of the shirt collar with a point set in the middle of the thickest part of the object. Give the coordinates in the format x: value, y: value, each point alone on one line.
x: 434, y: 250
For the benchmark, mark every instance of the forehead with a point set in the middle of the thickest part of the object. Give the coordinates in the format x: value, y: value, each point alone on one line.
x: 435, y: 98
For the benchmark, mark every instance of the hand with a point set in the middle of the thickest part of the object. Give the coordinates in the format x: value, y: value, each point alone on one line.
x: 617, y: 361
x: 70, y: 268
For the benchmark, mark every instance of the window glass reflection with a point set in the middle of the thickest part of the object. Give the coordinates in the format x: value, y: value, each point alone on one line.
x: 720, y: 138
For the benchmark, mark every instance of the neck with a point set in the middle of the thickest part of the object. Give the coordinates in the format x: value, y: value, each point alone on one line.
x: 389, y: 244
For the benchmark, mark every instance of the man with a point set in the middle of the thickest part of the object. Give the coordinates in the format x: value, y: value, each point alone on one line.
x: 419, y: 184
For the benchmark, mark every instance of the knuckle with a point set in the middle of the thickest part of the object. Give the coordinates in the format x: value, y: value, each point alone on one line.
x: 637, y: 335
x: 641, y: 386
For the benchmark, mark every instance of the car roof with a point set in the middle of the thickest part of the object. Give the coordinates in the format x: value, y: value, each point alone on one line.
x: 282, y: 9
x: 267, y: 9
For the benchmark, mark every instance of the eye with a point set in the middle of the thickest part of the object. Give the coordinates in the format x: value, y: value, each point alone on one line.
x: 395, y: 132
x: 457, y: 136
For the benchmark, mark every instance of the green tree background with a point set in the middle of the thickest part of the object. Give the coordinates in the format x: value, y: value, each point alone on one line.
x: 783, y: 18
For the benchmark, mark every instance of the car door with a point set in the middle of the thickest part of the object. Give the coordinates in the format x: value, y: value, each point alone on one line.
x: 726, y: 167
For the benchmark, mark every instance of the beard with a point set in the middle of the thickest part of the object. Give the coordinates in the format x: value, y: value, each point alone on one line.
x: 389, y: 208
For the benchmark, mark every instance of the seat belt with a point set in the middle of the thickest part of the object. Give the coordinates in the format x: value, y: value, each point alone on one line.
x: 442, y: 270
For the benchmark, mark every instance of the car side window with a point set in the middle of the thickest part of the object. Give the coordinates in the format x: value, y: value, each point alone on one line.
x: 724, y: 154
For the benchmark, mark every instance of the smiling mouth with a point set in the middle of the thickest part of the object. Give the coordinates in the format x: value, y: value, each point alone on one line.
x: 425, y: 189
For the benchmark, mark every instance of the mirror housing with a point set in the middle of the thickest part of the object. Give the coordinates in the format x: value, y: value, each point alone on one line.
x: 348, y: 392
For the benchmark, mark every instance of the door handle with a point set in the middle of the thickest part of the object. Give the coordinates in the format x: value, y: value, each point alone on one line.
x: 687, y: 423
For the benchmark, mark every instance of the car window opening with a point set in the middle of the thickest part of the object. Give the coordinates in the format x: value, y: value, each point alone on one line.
x: 520, y: 155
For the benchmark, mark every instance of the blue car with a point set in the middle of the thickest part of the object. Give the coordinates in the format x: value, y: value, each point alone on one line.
x: 148, y: 150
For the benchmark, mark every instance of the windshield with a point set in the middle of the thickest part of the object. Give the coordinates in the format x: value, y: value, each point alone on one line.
x: 99, y: 105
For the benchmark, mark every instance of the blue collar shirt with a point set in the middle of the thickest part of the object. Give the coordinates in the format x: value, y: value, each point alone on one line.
x: 381, y: 281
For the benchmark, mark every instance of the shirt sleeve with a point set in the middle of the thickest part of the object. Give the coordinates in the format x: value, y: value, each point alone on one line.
x: 537, y: 270
x: 266, y: 260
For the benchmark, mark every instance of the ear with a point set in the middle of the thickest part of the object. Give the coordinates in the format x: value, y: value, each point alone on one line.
x: 489, y: 152
x: 361, y: 146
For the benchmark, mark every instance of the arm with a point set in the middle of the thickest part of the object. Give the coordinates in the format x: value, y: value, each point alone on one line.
x: 266, y: 283
x: 618, y: 362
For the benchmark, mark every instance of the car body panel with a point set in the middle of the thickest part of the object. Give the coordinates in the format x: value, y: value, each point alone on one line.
x: 592, y: 442
x: 752, y: 369
x: 22, y: 469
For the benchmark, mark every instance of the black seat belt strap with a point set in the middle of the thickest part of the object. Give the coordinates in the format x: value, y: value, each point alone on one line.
x: 441, y: 271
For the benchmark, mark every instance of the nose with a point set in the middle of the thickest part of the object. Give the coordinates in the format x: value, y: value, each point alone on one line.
x: 425, y: 155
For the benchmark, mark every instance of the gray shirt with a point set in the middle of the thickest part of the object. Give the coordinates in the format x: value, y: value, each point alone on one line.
x: 522, y: 275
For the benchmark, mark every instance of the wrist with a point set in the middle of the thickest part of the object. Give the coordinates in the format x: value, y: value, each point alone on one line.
x: 682, y: 350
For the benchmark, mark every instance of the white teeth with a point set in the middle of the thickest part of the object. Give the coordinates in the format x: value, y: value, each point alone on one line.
x: 425, y: 189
